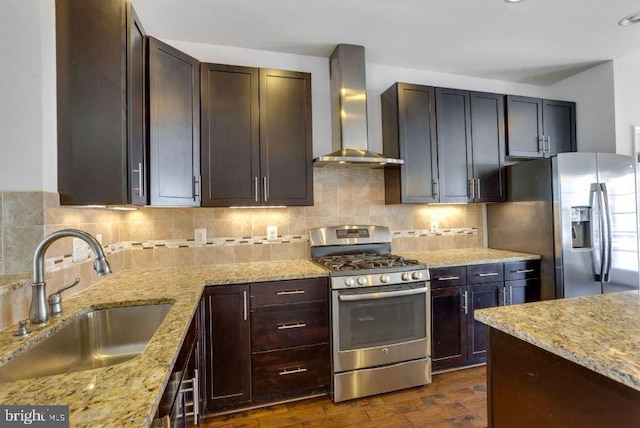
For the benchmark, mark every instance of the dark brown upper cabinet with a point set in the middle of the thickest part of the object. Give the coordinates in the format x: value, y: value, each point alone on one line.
x: 452, y: 142
x: 100, y: 92
x: 539, y: 128
x: 174, y: 126
x: 409, y: 133
x: 256, y: 137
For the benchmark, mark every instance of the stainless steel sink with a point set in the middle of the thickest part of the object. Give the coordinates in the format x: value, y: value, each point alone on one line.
x: 96, y: 339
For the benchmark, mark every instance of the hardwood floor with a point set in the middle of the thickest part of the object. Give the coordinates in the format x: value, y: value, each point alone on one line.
x: 454, y: 399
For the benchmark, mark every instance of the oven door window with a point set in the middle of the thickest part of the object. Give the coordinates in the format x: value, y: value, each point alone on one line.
x: 381, y: 321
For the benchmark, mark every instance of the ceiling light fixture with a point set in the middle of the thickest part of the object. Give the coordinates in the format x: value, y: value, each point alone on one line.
x: 513, y: 1
x: 629, y: 19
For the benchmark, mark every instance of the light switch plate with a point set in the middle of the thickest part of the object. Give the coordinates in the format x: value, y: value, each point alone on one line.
x: 434, y: 226
x: 200, y: 236
x: 272, y: 233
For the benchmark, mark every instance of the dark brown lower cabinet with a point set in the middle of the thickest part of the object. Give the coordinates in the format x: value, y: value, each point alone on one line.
x: 528, y: 387
x: 290, y: 372
x: 456, y: 292
x: 226, y: 379
x: 263, y: 342
x: 180, y: 403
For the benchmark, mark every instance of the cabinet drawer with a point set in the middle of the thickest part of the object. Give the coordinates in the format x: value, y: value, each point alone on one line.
x: 448, y: 276
x: 290, y: 372
x: 286, y: 326
x: 490, y: 272
x: 279, y: 292
x: 522, y: 270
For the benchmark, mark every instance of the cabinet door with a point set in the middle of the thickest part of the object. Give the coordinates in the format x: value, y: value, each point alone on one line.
x: 226, y: 346
x: 91, y: 101
x: 454, y: 144
x: 559, y: 119
x: 409, y: 133
x: 286, y: 159
x: 448, y: 327
x: 487, y: 125
x: 479, y: 297
x: 524, y: 127
x: 174, y: 126
x: 522, y: 291
x: 230, y: 141
x: 136, y: 112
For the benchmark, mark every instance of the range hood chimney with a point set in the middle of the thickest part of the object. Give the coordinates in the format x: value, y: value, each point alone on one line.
x: 349, y: 113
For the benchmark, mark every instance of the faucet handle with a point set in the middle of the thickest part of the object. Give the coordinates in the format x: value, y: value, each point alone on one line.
x: 22, y: 329
x: 55, y: 299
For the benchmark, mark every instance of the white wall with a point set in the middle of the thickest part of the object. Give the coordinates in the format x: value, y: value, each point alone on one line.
x: 626, y: 73
x: 596, y: 107
x: 27, y: 85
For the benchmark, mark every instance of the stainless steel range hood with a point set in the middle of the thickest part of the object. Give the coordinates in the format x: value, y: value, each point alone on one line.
x: 349, y: 113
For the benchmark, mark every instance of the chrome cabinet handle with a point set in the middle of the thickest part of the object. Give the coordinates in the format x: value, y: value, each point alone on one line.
x: 549, y: 144
x: 448, y: 278
x: 477, y: 180
x: 256, y: 189
x: 288, y: 292
x: 464, y: 305
x: 510, y: 295
x: 482, y: 275
x: 140, y: 187
x: 436, y: 188
x: 244, y: 303
x: 541, y: 144
x: 472, y: 188
x: 524, y: 270
x: 265, y: 188
x: 288, y: 326
x: 503, y: 290
x: 196, y: 187
x: 288, y: 372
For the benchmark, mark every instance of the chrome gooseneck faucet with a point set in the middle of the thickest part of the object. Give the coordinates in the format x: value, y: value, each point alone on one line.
x: 39, y: 311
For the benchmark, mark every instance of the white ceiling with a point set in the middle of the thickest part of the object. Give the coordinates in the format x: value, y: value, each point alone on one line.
x: 535, y: 41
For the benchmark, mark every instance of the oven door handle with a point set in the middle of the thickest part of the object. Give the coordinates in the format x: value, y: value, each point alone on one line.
x: 381, y: 295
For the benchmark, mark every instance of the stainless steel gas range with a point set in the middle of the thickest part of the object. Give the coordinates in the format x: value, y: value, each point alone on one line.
x: 380, y: 316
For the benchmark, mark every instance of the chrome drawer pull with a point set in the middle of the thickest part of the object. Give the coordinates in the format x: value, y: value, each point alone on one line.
x: 287, y: 292
x: 448, y: 278
x: 298, y: 370
x: 488, y: 274
x: 525, y: 271
x: 287, y: 326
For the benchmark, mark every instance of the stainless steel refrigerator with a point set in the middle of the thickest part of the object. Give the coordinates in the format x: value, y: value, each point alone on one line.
x: 579, y: 212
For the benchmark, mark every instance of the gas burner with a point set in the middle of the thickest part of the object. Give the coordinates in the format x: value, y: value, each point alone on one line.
x: 362, y: 261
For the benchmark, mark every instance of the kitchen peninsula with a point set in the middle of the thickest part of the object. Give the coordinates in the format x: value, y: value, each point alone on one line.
x: 571, y: 362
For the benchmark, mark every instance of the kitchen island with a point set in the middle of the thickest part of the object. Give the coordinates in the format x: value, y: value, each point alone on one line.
x: 565, y: 363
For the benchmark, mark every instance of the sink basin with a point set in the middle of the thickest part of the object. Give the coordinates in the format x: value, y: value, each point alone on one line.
x: 99, y: 338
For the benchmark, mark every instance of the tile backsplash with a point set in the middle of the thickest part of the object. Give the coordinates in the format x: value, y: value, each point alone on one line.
x: 164, y: 237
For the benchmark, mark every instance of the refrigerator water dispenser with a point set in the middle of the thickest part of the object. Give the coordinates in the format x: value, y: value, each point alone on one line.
x: 580, y: 227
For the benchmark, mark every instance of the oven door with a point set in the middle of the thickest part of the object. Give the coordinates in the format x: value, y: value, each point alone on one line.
x: 375, y: 326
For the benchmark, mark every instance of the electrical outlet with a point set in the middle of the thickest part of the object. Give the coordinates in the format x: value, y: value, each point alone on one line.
x: 200, y: 236
x: 272, y: 233
x: 79, y: 250
x: 434, y: 225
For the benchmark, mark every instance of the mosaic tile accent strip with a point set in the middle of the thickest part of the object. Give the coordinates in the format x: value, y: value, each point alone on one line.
x: 54, y: 264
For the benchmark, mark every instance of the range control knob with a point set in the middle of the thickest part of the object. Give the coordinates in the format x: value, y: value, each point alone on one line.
x: 406, y: 276
x: 385, y: 278
x: 416, y: 275
x: 362, y: 280
x: 349, y: 282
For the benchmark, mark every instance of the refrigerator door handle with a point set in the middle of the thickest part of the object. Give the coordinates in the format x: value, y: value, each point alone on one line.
x: 598, y: 241
x: 609, y: 235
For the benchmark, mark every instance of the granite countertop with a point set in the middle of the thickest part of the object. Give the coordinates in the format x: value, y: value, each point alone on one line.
x: 128, y: 394
x: 600, y: 332
x: 469, y: 256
